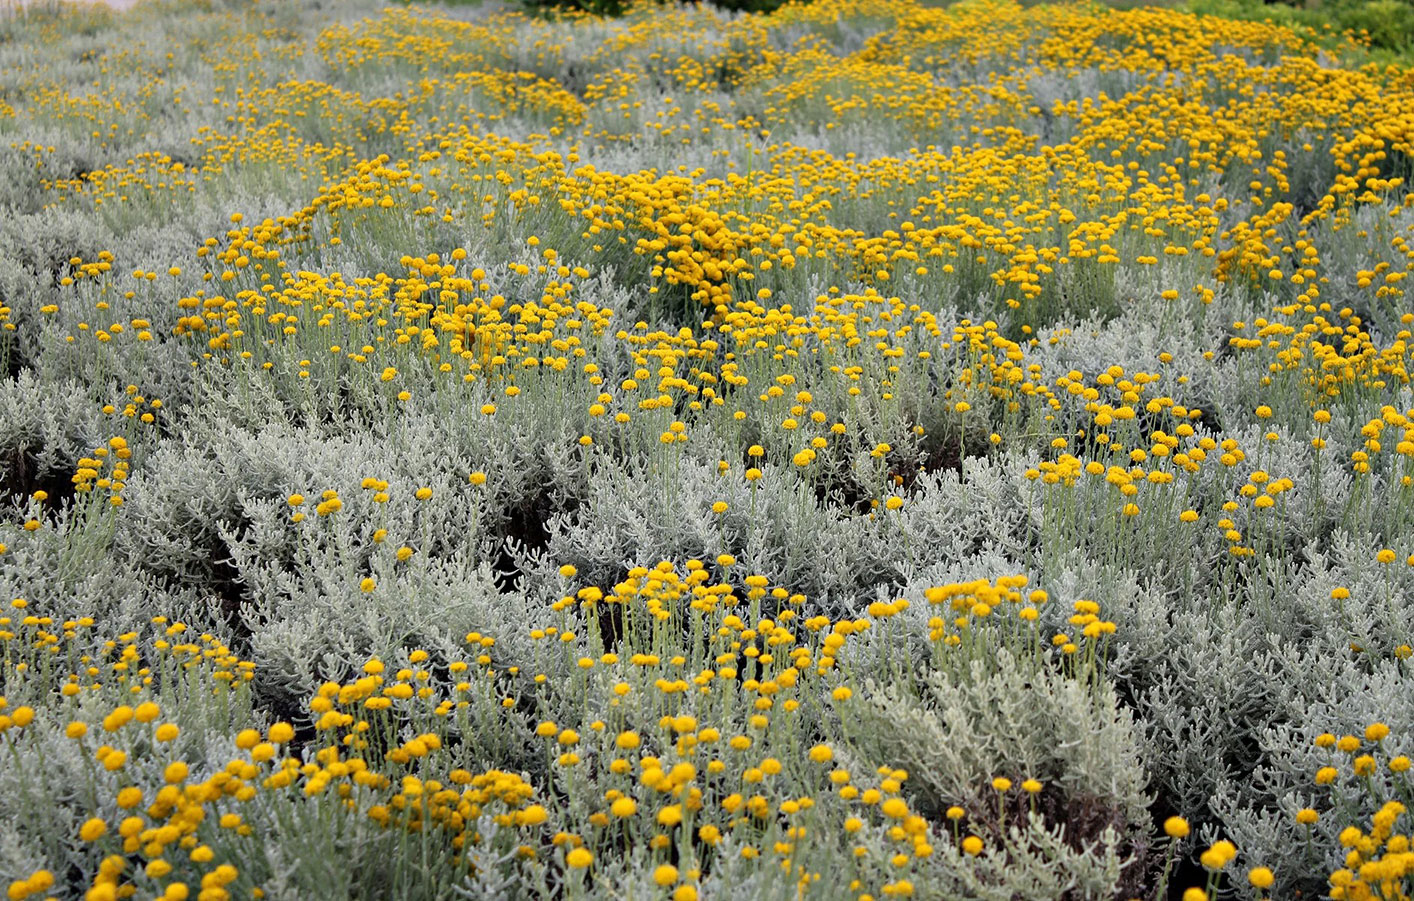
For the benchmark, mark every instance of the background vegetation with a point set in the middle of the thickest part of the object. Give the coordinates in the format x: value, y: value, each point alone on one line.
x: 1385, y: 26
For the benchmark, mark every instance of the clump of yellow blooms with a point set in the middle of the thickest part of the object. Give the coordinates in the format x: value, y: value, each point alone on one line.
x: 1365, y: 772
x: 107, y: 469
x: 698, y: 745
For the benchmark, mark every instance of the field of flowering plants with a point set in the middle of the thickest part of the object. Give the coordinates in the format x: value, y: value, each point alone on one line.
x: 868, y: 450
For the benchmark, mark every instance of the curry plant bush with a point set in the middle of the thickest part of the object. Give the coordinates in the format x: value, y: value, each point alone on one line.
x: 865, y: 450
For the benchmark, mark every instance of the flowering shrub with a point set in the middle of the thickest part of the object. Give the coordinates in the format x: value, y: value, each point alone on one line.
x: 864, y: 450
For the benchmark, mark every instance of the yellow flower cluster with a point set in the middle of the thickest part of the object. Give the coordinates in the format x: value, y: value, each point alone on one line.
x: 1029, y: 223
x: 89, y: 474
x: 1379, y: 862
x: 728, y: 698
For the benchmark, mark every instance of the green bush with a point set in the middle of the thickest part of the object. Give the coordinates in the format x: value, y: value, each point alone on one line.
x: 750, y: 6
x: 619, y: 7
x: 1388, y: 25
x: 593, y: 7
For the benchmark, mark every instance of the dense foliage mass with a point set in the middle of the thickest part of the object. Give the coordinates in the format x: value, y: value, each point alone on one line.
x: 863, y: 451
x: 1386, y: 25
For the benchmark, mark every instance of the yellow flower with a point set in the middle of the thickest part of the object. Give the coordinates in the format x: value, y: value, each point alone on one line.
x: 665, y: 874
x: 579, y: 858
x: 623, y: 807
x: 1218, y: 855
x: 1176, y: 827
x: 1260, y: 877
